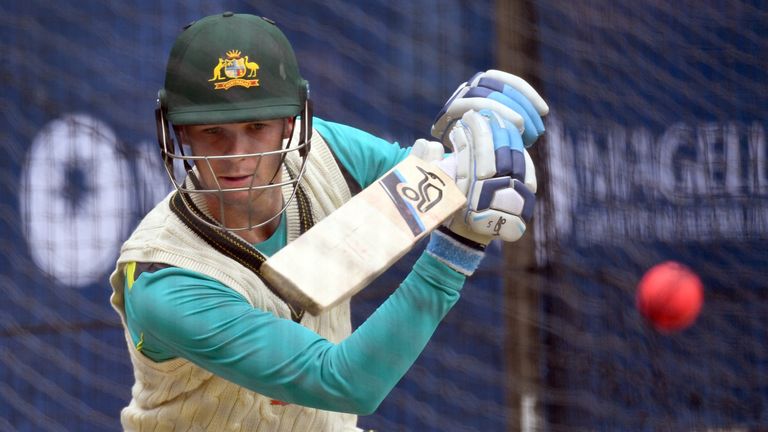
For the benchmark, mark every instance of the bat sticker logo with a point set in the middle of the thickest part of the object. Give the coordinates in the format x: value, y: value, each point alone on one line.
x: 427, y: 193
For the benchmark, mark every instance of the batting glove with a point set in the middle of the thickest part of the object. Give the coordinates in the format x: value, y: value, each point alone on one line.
x: 508, y: 95
x: 492, y: 168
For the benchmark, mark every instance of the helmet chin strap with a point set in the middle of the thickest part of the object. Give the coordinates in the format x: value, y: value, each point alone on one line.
x: 305, y: 117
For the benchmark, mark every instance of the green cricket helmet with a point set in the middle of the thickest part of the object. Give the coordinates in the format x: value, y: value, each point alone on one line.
x: 231, y: 68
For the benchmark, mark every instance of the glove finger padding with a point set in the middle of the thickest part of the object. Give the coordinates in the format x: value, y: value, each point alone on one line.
x: 428, y: 151
x: 528, y: 95
x: 508, y: 148
x: 511, y: 104
x: 458, y: 107
x: 509, y: 95
x: 494, y: 170
x: 530, y: 173
x: 434, y: 153
x: 472, y: 141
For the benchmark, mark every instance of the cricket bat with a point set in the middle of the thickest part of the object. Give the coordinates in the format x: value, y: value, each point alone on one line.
x: 347, y: 250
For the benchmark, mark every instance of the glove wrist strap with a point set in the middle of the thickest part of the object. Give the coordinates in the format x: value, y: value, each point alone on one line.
x: 463, y: 240
x: 458, y: 253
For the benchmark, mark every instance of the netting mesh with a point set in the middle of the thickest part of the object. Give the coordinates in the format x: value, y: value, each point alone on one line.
x: 656, y: 150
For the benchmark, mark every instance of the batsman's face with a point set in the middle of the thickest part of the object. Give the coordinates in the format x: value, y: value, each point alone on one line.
x: 246, y: 166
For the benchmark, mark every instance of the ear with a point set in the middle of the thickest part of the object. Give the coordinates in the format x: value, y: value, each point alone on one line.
x: 181, y: 134
x: 288, y: 125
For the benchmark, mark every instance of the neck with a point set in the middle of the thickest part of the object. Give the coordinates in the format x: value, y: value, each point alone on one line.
x: 266, y: 206
x: 262, y: 233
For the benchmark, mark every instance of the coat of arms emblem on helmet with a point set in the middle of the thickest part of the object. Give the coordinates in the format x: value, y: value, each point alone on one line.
x: 234, y: 70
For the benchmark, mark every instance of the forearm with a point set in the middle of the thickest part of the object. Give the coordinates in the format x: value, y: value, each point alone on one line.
x: 288, y: 362
x: 385, y: 346
x: 357, y: 374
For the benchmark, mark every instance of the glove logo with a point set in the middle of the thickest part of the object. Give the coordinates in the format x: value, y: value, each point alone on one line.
x: 497, y: 227
x: 426, y: 194
x: 234, y: 68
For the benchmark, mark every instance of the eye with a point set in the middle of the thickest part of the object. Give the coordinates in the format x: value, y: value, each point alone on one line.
x: 212, y: 131
x: 257, y: 126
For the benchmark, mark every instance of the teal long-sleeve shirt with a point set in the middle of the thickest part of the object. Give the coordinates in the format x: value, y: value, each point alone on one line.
x: 175, y: 312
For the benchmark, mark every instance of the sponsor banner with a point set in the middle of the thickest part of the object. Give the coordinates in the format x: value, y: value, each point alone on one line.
x: 691, y: 182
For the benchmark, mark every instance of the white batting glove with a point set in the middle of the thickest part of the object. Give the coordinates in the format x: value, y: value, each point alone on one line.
x: 508, y: 95
x: 497, y: 175
x: 493, y: 169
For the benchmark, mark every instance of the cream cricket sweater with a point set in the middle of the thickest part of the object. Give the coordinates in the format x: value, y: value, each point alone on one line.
x: 177, y: 395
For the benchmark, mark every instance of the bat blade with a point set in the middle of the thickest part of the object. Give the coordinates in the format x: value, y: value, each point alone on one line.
x: 359, y: 241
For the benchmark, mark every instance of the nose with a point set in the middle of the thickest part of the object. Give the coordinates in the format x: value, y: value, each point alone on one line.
x: 239, y: 143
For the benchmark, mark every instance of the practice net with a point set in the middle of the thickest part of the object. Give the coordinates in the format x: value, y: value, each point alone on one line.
x: 655, y: 150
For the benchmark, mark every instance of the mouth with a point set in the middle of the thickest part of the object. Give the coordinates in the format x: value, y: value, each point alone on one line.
x: 235, y: 181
